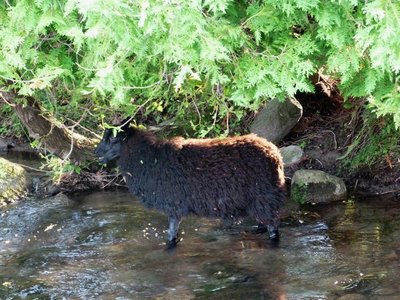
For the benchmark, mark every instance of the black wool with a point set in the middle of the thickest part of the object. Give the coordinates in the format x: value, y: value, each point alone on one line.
x: 226, y: 178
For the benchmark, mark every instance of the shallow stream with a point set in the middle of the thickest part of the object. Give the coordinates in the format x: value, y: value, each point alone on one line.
x: 105, y: 245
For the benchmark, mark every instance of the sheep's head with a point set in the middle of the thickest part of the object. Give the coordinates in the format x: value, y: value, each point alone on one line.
x: 109, y: 147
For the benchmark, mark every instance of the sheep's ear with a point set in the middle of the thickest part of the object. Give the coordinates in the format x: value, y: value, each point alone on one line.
x: 124, y: 124
x: 115, y: 131
x: 109, y: 131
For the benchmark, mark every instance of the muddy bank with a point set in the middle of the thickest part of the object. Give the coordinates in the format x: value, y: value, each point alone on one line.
x: 324, y: 132
x: 40, y: 183
x: 321, y: 152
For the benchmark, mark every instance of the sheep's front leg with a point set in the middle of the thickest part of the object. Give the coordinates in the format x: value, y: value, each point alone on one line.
x: 272, y: 230
x: 173, y: 232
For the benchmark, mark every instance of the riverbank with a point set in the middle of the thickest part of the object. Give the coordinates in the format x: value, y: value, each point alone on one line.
x: 328, y: 133
x: 322, y: 148
x: 325, y: 132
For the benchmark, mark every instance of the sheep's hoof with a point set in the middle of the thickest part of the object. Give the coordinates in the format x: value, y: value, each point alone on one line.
x: 273, y: 235
x: 171, y: 244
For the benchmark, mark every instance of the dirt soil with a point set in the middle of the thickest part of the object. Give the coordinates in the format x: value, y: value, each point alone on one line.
x: 325, y: 131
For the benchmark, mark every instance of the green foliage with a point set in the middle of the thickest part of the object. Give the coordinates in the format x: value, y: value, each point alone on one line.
x: 200, y: 64
x: 10, y: 125
x: 299, y: 192
x: 377, y: 142
x: 59, y: 167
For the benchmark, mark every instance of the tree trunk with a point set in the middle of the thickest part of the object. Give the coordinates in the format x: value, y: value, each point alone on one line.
x: 54, y: 137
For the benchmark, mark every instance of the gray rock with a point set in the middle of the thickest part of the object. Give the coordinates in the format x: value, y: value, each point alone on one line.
x: 276, y: 119
x: 13, y: 181
x: 352, y: 297
x: 313, y: 186
x: 3, y: 146
x: 291, y: 155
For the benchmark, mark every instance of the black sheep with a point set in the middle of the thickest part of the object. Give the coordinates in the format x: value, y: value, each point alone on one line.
x: 226, y: 178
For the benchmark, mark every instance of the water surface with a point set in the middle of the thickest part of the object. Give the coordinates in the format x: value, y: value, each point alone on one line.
x: 105, y: 245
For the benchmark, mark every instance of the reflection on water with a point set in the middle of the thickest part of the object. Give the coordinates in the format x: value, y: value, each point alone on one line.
x: 105, y: 245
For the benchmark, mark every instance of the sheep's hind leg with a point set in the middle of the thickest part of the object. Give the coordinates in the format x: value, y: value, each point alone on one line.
x: 272, y: 230
x: 173, y: 232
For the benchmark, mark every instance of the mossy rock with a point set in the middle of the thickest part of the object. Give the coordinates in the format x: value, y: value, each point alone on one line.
x: 13, y: 181
x: 313, y: 186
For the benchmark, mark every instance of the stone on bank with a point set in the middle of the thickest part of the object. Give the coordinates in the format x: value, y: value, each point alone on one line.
x: 314, y: 186
x: 276, y: 119
x: 13, y: 181
x: 291, y: 155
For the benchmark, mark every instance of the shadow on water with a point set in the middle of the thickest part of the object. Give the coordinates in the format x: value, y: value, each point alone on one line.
x: 23, y: 157
x: 105, y: 245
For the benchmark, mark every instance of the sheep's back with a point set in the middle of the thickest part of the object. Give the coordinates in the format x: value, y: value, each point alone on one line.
x: 211, y: 177
x: 225, y: 175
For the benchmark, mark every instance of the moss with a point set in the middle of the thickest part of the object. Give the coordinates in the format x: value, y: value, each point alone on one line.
x: 314, y: 186
x: 13, y: 181
x: 299, y: 192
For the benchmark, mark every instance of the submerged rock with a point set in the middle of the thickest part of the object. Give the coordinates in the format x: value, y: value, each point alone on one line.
x: 276, y: 119
x: 291, y: 154
x: 13, y: 181
x: 314, y: 186
x: 352, y: 297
